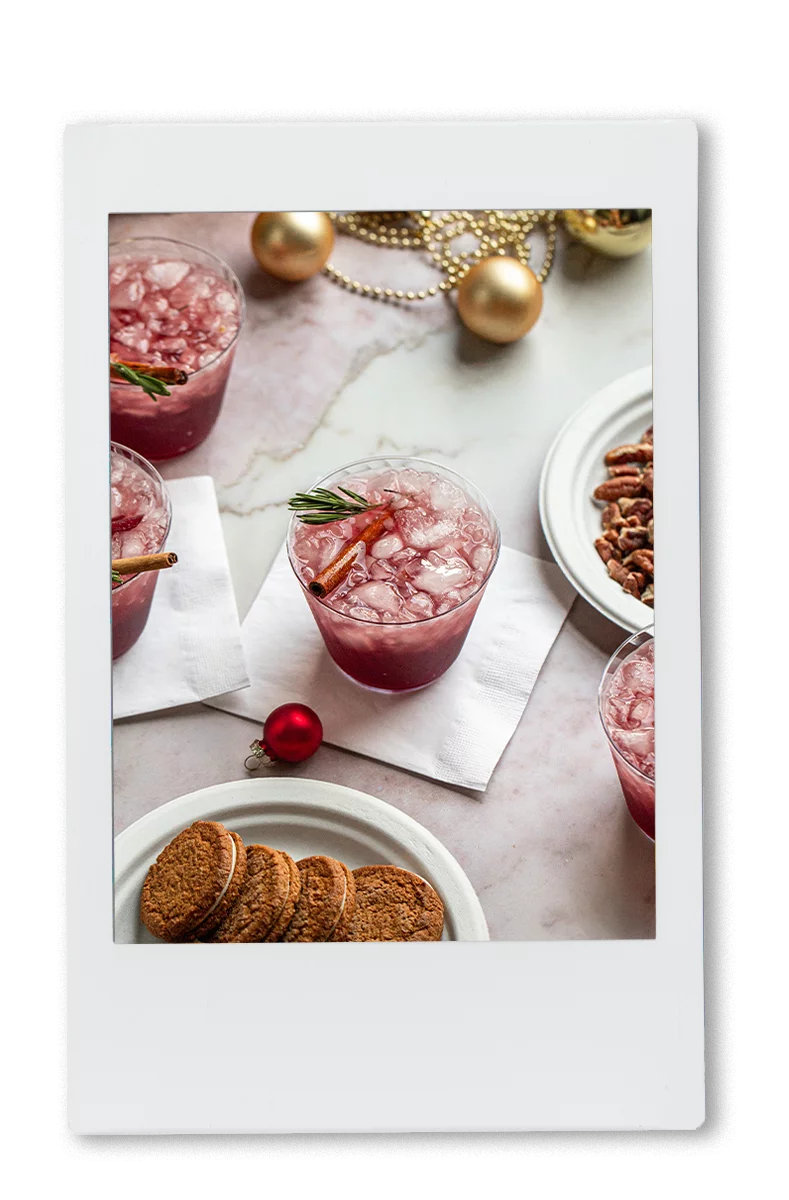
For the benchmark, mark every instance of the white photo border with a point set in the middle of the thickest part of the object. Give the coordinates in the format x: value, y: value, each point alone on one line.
x: 451, y: 1037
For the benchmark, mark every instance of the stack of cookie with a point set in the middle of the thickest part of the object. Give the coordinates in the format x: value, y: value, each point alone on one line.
x: 207, y: 886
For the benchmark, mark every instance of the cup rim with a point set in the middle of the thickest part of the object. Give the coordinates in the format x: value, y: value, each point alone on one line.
x: 648, y: 633
x: 242, y: 304
x: 127, y: 452
x: 385, y: 458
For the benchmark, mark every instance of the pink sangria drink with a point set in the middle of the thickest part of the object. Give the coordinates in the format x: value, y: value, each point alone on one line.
x: 175, y: 305
x: 140, y: 522
x: 627, y: 710
x: 400, y: 617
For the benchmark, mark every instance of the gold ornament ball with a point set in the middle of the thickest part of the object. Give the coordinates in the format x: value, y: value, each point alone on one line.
x: 616, y: 232
x: 500, y: 299
x: 292, y: 245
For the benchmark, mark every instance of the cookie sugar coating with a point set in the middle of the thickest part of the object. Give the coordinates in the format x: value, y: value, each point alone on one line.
x: 393, y: 905
x: 320, y: 904
x: 185, y: 885
x: 260, y: 900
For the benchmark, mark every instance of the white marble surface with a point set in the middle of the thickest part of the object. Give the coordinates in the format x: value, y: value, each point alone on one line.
x: 323, y: 377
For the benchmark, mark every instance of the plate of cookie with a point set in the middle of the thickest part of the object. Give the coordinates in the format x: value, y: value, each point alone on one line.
x: 596, y: 501
x: 288, y: 860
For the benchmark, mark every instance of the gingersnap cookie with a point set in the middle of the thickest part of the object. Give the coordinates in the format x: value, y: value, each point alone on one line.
x: 345, y: 919
x: 194, y: 882
x: 260, y: 901
x: 289, y: 907
x: 393, y: 905
x: 319, y: 909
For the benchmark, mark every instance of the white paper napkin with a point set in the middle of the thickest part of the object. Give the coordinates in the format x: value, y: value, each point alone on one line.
x: 454, y: 730
x: 191, y: 647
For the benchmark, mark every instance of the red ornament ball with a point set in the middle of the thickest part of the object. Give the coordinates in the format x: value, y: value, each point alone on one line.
x: 292, y: 733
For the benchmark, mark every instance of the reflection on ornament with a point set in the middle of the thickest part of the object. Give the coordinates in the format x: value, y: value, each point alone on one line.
x: 617, y: 232
x: 500, y: 299
x: 292, y: 245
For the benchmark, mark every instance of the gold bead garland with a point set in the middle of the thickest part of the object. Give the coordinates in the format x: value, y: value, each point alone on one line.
x: 498, y: 233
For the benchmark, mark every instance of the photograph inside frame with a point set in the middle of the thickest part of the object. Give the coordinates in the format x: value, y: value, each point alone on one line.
x: 382, y: 576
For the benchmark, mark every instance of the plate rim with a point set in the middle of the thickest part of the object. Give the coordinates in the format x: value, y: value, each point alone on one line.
x: 624, y: 390
x: 153, y: 825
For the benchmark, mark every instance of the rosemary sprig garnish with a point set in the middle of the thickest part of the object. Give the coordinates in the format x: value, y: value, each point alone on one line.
x: 154, y: 387
x: 116, y: 577
x: 320, y: 506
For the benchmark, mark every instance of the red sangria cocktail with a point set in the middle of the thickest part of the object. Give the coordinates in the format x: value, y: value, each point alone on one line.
x: 627, y: 710
x: 140, y: 522
x: 400, y: 615
x: 174, y: 305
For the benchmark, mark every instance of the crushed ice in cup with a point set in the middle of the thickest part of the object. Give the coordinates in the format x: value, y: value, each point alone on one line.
x: 629, y: 708
x: 424, y: 563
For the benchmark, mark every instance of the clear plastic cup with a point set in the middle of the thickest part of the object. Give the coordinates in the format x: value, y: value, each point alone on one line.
x: 397, y: 656
x: 634, y: 763
x: 131, y: 599
x: 171, y: 425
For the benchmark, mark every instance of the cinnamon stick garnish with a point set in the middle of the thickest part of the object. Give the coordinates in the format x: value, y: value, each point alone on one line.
x: 165, y: 374
x: 144, y: 562
x: 337, y: 570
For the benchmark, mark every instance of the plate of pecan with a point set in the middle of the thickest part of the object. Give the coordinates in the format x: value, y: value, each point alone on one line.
x: 596, y: 501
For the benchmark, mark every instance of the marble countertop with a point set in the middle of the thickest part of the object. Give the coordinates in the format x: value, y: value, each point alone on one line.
x: 323, y: 377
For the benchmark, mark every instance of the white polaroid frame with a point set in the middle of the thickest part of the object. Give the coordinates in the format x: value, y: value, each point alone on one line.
x: 446, y: 1037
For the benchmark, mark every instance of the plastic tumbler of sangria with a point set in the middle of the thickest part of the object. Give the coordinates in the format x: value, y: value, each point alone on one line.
x: 393, y: 556
x: 627, y: 710
x: 171, y: 305
x: 140, y: 522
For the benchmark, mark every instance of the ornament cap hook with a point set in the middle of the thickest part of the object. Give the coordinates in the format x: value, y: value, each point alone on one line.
x: 258, y: 757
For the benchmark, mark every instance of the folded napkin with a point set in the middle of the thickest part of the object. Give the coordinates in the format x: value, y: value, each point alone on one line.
x: 191, y: 647
x: 454, y: 730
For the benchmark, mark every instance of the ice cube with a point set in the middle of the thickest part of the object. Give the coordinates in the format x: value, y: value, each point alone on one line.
x: 381, y: 570
x: 381, y: 597
x: 421, y: 606
x: 134, y: 337
x: 481, y: 557
x: 171, y: 345
x: 166, y: 275
x: 638, y: 674
x: 445, y: 496
x: 449, y: 600
x: 386, y: 546
x: 206, y: 358
x: 116, y: 498
x: 153, y: 306
x: 118, y: 272
x: 423, y: 530
x: 360, y: 613
x: 635, y: 744
x: 409, y: 482
x: 126, y: 294
x: 438, y: 578
x: 643, y: 712
x: 195, y: 286
x: 225, y: 301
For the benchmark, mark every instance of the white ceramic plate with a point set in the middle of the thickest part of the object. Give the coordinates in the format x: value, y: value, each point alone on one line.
x: 572, y: 470
x: 302, y: 817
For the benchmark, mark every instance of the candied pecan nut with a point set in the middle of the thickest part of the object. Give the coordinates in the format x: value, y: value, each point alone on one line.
x: 651, y: 531
x: 612, y: 516
x: 604, y: 549
x: 643, y: 559
x: 641, y: 453
x: 647, y: 479
x: 611, y: 535
x: 641, y: 506
x: 623, y: 469
x: 648, y: 595
x: 617, y: 571
x: 631, y: 584
x: 632, y: 539
x: 613, y: 489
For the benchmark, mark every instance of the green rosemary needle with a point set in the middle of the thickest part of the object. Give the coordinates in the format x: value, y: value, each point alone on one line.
x: 320, y: 506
